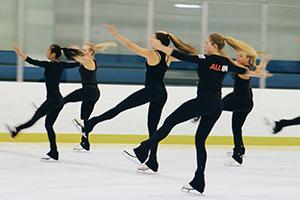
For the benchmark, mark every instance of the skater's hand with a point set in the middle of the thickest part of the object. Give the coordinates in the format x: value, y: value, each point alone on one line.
x: 111, y: 28
x: 19, y: 51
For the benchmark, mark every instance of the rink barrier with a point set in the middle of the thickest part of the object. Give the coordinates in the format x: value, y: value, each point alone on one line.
x: 135, y: 139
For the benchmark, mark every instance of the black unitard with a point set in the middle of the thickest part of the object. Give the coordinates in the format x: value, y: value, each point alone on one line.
x: 207, y: 104
x: 154, y: 93
x: 240, y: 103
x: 88, y: 94
x: 52, y: 73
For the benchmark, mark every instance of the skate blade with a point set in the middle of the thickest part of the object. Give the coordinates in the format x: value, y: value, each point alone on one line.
x: 80, y: 149
x: 232, y: 163
x: 78, y: 125
x: 230, y: 154
x: 269, y: 124
x: 191, y: 191
x: 34, y: 106
x: 144, y: 169
x: 48, y: 159
x: 11, y: 131
x: 131, y: 157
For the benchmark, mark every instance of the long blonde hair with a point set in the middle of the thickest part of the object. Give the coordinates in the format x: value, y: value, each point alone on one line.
x: 240, y: 46
x: 100, y: 47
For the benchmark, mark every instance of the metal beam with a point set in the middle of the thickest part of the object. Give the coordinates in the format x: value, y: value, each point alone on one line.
x: 87, y: 16
x: 264, y: 31
x: 204, y: 22
x: 21, y: 35
x: 150, y: 21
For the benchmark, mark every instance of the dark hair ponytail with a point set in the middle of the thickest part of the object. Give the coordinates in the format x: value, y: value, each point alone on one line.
x: 71, y: 53
x: 163, y: 38
x: 54, y: 48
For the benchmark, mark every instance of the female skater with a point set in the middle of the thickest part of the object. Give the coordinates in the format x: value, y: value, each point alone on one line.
x: 240, y: 101
x: 52, y: 73
x: 89, y: 93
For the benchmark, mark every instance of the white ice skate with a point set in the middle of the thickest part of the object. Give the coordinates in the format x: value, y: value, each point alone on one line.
x: 269, y: 124
x: 230, y: 154
x: 79, y: 148
x: 232, y: 163
x: 130, y: 155
x: 78, y: 123
x: 144, y: 169
x: 34, y: 106
x: 47, y: 158
x: 190, y: 190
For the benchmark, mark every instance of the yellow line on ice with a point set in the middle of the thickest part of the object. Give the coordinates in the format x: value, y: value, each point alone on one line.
x: 135, y: 139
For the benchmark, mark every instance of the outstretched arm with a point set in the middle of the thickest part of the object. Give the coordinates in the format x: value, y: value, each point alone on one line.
x: 24, y: 56
x: 261, y: 68
x: 20, y: 52
x: 126, y: 42
x: 265, y: 58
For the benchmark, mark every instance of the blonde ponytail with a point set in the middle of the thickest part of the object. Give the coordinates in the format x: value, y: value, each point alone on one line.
x: 105, y: 45
x: 240, y: 46
x: 101, y: 46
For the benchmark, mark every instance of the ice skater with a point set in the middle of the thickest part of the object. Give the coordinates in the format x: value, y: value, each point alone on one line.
x: 52, y: 71
x: 89, y: 93
x: 240, y: 101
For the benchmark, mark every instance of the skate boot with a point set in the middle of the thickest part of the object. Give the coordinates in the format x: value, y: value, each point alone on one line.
x: 196, y: 186
x: 51, y: 156
x: 150, y: 167
x: 277, y: 127
x: 84, y: 145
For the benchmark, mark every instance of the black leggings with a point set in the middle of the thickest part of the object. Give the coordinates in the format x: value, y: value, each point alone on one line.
x: 89, y: 95
x: 209, y: 107
x: 48, y: 108
x: 155, y: 95
x: 240, y: 105
x: 289, y: 122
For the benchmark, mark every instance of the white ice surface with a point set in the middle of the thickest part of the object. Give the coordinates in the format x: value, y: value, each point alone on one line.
x: 267, y: 174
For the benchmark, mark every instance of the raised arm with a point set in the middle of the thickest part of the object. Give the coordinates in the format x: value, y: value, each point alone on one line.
x: 261, y: 68
x: 126, y: 42
x: 265, y: 58
x: 24, y: 56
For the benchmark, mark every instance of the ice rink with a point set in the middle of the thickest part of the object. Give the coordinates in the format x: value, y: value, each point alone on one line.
x: 270, y: 173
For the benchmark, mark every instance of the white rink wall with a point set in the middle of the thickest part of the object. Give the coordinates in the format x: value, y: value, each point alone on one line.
x: 16, y: 100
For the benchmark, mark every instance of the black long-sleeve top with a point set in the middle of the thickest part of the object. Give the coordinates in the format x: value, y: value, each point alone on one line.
x: 52, y: 73
x: 211, y: 70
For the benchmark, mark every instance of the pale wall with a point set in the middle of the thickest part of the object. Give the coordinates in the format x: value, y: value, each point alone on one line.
x: 16, y: 99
